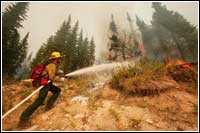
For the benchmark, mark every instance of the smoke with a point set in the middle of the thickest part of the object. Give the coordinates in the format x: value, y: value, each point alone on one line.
x: 44, y: 19
x: 120, y: 17
x: 160, y: 45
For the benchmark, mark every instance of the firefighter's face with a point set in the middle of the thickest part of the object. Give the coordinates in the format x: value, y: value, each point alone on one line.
x: 57, y: 61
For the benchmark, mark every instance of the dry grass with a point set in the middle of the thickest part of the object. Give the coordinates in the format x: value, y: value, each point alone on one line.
x: 26, y: 92
x: 150, y: 78
x: 72, y: 123
x: 78, y: 85
x: 182, y: 74
x: 134, y: 77
x: 134, y: 123
x: 100, y: 128
x: 94, y: 101
x: 114, y: 113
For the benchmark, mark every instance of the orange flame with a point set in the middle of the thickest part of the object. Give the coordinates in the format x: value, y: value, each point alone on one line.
x: 170, y: 62
x: 181, y: 64
x: 184, y: 64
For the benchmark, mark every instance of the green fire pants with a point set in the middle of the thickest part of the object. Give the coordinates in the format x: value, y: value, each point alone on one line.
x: 39, y: 101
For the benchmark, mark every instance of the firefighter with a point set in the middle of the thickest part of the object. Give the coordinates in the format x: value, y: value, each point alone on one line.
x: 48, y: 74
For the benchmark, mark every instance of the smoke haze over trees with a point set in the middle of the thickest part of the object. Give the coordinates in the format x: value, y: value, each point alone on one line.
x: 170, y: 35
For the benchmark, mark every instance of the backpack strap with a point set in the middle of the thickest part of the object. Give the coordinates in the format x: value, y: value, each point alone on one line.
x: 46, y: 75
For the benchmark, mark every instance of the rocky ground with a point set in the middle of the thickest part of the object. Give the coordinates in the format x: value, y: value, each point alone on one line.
x: 92, y: 105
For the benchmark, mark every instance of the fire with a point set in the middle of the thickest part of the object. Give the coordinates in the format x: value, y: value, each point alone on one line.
x: 181, y: 64
x: 170, y: 62
x: 186, y: 65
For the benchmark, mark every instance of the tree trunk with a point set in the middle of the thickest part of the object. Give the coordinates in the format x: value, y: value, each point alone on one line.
x: 177, y: 41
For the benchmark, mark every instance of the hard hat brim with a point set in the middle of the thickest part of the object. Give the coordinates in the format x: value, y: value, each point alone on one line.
x: 54, y: 57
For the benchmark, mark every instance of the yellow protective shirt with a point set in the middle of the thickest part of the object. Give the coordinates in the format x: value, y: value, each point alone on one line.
x: 50, y: 70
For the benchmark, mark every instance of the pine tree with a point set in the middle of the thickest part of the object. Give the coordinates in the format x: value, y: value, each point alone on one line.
x: 60, y: 38
x: 76, y: 51
x: 12, y: 47
x: 92, y: 51
x: 66, y: 46
x: 179, y: 28
x: 130, y: 23
x: 149, y: 39
x: 114, y: 43
x: 169, y: 36
x: 134, y: 38
x: 72, y: 49
x: 79, y: 57
x: 44, y: 52
x: 58, y: 42
x: 85, y: 53
x: 113, y: 26
x: 23, y: 46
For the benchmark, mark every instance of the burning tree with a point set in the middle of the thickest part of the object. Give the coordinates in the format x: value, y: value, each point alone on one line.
x: 123, y: 45
x: 169, y: 35
x: 182, y: 71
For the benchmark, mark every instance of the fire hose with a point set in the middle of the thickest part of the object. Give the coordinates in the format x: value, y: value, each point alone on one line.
x: 24, y: 100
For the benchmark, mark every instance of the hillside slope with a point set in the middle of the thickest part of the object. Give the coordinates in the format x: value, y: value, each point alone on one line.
x: 92, y: 104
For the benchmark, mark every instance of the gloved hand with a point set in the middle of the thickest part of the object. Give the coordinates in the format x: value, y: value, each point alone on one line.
x: 62, y: 79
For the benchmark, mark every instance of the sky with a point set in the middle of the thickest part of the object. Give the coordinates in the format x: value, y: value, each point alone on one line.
x: 45, y: 18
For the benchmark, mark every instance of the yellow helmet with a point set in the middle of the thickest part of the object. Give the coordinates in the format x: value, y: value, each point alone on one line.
x: 55, y: 55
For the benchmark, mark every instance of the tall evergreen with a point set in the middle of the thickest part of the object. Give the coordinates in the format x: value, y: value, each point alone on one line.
x: 123, y: 45
x: 79, y: 57
x: 85, y: 53
x: 65, y: 48
x: 12, y: 47
x: 23, y: 46
x: 113, y: 26
x: 182, y: 32
x: 130, y: 23
x: 170, y: 35
x: 72, y: 42
x: 92, y: 51
x: 74, y: 48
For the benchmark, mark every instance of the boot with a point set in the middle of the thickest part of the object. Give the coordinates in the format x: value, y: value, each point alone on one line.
x: 24, y: 124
